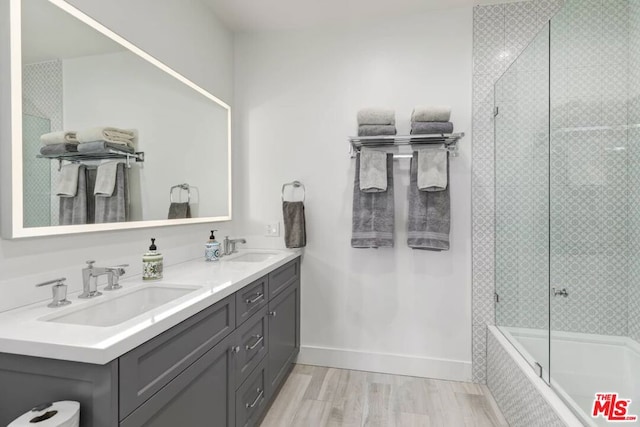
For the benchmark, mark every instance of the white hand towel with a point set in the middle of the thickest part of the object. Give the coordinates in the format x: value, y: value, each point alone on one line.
x: 109, y: 134
x: 67, y: 185
x: 373, y: 171
x: 62, y: 137
x: 432, y: 169
x: 106, y: 179
x: 431, y: 114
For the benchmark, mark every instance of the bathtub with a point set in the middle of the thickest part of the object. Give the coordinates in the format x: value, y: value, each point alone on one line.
x: 583, y: 365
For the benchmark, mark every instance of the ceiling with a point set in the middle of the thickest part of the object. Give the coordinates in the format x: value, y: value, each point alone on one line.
x: 251, y: 15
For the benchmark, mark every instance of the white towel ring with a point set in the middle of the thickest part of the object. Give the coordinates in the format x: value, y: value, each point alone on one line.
x: 294, y: 184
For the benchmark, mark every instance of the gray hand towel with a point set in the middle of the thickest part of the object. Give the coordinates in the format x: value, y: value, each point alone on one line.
x: 67, y: 185
x: 376, y: 116
x: 179, y: 210
x: 376, y: 130
x: 116, y: 207
x: 428, y: 128
x: 373, y: 171
x: 373, y: 213
x: 431, y: 114
x: 106, y: 179
x: 429, y: 214
x: 57, y: 149
x: 103, y: 147
x: 73, y: 210
x: 295, y: 232
x: 432, y: 169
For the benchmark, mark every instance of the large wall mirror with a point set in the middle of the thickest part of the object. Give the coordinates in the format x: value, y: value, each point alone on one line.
x: 104, y: 136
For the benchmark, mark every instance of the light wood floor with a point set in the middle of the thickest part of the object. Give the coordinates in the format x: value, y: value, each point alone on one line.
x: 315, y: 397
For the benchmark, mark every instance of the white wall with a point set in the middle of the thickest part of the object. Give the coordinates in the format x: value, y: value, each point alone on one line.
x: 186, y: 36
x: 297, y: 94
x: 182, y: 133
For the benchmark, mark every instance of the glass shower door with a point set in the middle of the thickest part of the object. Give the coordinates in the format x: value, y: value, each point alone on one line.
x: 522, y: 203
x: 37, y: 189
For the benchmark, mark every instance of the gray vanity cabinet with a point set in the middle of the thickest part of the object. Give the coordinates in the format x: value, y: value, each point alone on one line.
x: 284, y: 335
x: 219, y: 368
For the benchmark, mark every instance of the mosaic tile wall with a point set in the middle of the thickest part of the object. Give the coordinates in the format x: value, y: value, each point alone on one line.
x: 42, y: 97
x: 519, y: 401
x: 501, y: 32
x: 634, y: 170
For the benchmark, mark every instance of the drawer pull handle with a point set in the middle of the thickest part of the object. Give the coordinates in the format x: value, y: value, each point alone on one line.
x: 255, y: 402
x: 260, y: 338
x: 257, y: 298
x: 272, y: 313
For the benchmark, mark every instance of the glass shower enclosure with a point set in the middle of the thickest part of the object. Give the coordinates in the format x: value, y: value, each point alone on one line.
x: 567, y: 203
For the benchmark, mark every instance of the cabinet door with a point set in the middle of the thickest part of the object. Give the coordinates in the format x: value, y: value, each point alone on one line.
x: 202, y: 395
x: 284, y: 335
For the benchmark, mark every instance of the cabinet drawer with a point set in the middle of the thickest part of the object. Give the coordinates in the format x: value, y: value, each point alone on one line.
x: 252, y: 342
x: 283, y: 277
x: 251, y: 397
x: 149, y: 367
x: 202, y: 395
x: 250, y: 299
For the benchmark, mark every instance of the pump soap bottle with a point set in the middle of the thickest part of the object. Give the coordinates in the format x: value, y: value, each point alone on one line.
x: 212, y: 248
x: 152, y: 263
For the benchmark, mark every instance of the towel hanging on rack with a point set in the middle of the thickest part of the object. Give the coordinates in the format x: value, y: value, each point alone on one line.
x: 179, y: 209
x: 295, y: 232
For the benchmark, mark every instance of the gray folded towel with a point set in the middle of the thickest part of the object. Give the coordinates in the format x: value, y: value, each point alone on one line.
x: 73, y: 210
x: 295, y: 232
x: 61, y: 137
x: 432, y: 169
x: 67, y: 185
x: 373, y: 213
x: 431, y: 114
x: 429, y: 214
x: 179, y: 210
x: 427, y: 128
x: 376, y: 130
x: 103, y: 147
x: 376, y: 116
x: 373, y: 171
x: 106, y: 179
x: 116, y: 207
x: 57, y: 149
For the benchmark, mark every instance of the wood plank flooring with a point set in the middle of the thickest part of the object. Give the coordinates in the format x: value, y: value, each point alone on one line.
x: 314, y: 396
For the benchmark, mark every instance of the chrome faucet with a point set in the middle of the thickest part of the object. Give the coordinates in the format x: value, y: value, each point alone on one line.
x: 229, y: 245
x: 90, y: 276
x: 59, y: 292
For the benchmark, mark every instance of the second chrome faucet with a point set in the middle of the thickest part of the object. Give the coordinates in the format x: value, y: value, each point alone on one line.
x: 90, y: 276
x: 229, y: 245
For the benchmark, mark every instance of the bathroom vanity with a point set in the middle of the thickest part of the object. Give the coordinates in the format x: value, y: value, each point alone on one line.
x: 222, y: 353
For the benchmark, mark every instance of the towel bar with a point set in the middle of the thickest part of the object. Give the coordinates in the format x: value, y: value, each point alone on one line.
x: 294, y: 184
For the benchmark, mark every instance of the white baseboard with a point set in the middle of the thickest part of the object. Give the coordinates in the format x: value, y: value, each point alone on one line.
x: 397, y: 364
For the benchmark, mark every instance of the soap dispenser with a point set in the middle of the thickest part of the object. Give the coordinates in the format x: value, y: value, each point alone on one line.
x: 152, y: 263
x: 212, y: 248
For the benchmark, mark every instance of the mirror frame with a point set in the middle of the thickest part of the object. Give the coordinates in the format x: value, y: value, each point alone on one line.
x: 11, y: 167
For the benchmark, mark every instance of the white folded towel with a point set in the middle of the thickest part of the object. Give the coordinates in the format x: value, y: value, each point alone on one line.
x: 106, y: 179
x: 432, y: 169
x: 67, y: 185
x: 108, y: 134
x: 431, y: 114
x: 373, y: 171
x: 62, y: 137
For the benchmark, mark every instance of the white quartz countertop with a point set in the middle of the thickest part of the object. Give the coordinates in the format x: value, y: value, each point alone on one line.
x: 26, y: 330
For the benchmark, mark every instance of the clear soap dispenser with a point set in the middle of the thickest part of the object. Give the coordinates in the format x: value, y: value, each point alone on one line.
x: 152, y: 263
x: 212, y: 248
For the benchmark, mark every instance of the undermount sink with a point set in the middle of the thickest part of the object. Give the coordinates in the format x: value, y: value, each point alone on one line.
x: 117, y: 310
x: 253, y: 257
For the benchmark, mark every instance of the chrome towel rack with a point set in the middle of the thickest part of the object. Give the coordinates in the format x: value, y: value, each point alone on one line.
x: 393, y: 144
x: 185, y: 187
x: 294, y: 184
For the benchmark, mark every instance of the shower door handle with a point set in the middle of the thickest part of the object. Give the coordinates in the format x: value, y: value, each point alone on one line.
x: 560, y: 292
